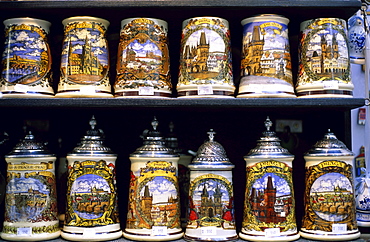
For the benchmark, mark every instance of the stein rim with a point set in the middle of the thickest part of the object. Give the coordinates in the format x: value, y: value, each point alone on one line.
x: 265, y: 17
x: 105, y: 22
x: 156, y: 20
x: 40, y: 22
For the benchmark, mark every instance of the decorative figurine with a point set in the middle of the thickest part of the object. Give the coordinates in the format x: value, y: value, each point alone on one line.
x: 205, y: 59
x: 211, y: 198
x: 269, y: 208
x: 30, y: 200
x: 26, y: 59
x: 324, y: 61
x: 266, y: 68
x: 85, y: 58
x: 329, y: 201
x: 154, y: 206
x: 143, y: 62
x: 92, y: 209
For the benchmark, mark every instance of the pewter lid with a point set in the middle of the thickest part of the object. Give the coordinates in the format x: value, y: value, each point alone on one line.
x: 268, y: 146
x: 211, y: 155
x: 154, y: 144
x: 329, y: 146
x: 29, y: 147
x: 92, y: 144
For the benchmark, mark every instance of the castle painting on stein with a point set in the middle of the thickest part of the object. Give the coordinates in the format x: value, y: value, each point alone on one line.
x: 266, y: 69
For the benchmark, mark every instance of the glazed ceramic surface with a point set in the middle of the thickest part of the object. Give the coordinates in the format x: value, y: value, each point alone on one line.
x: 211, y: 198
x: 85, y: 58
x: 356, y: 38
x: 154, y: 205
x: 143, y: 64
x: 329, y: 195
x: 92, y: 210
x: 269, y: 208
x: 266, y: 69
x: 324, y: 62
x: 205, y: 59
x: 26, y: 59
x: 30, y: 200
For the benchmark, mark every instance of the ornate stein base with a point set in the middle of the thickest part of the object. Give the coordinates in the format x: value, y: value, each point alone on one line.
x: 98, y: 233
x: 330, y: 236
x: 78, y: 94
x: 264, y: 87
x: 205, y: 91
x: 29, y: 237
x: 219, y: 234
x: 132, y: 93
x: 325, y: 89
x: 268, y: 238
x: 146, y: 235
x: 25, y: 95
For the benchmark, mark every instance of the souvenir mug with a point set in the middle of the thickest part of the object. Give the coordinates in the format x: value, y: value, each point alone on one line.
x: 329, y: 201
x: 143, y: 63
x: 356, y: 38
x: 324, y: 61
x: 266, y: 69
x: 269, y: 207
x: 85, y: 58
x: 92, y: 209
x: 30, y: 199
x: 26, y: 59
x: 211, y: 198
x: 205, y: 59
x: 154, y: 206
x: 362, y: 191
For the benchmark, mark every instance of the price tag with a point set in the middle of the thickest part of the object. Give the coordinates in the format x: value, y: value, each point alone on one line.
x: 89, y: 232
x: 208, y: 231
x: 87, y: 90
x: 21, y: 88
x: 146, y: 91
x: 272, y: 232
x: 330, y: 85
x: 24, y: 231
x: 205, y: 90
x: 159, y: 230
x: 339, y: 228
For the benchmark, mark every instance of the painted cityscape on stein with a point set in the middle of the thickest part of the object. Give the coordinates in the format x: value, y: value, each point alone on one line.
x: 26, y: 58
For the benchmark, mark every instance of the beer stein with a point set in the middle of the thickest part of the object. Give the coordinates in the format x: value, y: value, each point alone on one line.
x: 329, y: 201
x: 266, y: 68
x: 211, y: 197
x: 269, y: 207
x: 26, y: 59
x: 205, y: 59
x: 30, y: 199
x: 154, y: 206
x: 92, y: 209
x: 85, y: 58
x: 324, y: 61
x: 143, y: 63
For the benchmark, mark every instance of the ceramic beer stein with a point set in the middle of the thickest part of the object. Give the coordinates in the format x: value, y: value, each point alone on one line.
x: 324, y: 61
x: 329, y: 201
x: 92, y: 209
x: 269, y: 207
x: 85, y: 58
x: 211, y: 198
x: 143, y: 63
x: 266, y: 69
x: 26, y: 59
x: 30, y: 200
x: 362, y: 184
x: 154, y: 206
x: 205, y: 59
x: 356, y: 38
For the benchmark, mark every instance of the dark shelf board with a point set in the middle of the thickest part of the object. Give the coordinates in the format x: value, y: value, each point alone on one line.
x: 183, y: 103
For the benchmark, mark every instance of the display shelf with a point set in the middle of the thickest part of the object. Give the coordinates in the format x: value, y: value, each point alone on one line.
x: 193, y: 103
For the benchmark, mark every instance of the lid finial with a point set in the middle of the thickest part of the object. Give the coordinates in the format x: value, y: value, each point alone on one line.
x: 92, y: 122
x: 155, y: 123
x: 268, y: 123
x: 211, y: 134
